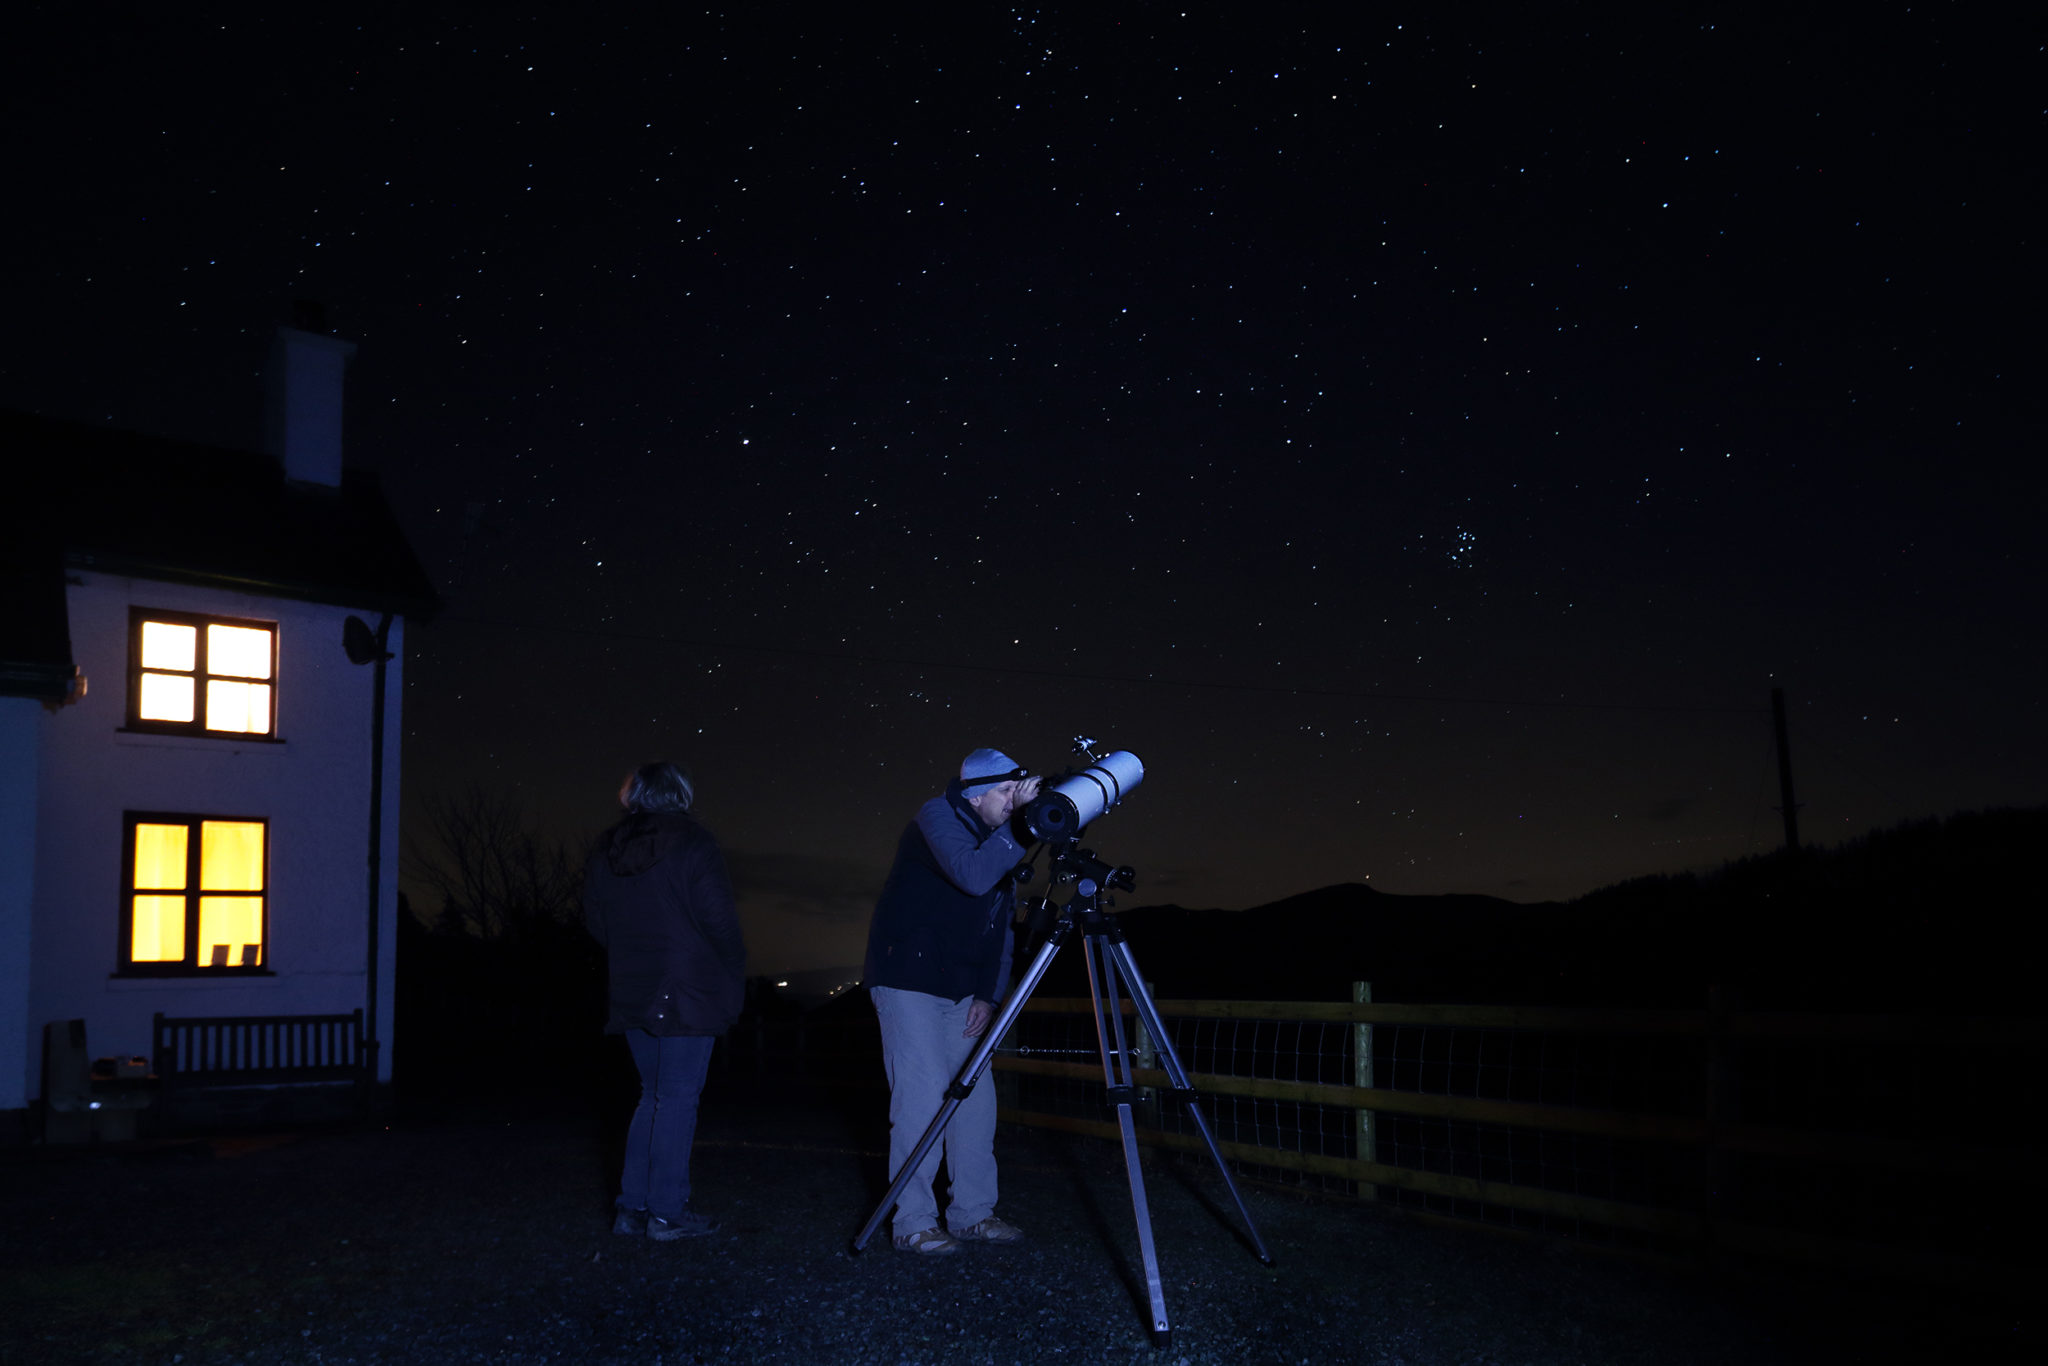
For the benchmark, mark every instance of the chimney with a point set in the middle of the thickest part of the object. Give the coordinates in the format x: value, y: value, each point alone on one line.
x: 304, y: 399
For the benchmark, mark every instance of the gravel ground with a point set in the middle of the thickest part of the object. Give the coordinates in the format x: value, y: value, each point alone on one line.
x: 475, y: 1236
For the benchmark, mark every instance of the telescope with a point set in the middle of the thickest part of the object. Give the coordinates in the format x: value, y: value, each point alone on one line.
x: 1060, y: 811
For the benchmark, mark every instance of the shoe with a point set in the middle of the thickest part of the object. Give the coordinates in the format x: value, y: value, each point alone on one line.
x: 688, y: 1224
x: 990, y: 1230
x: 933, y: 1242
x: 632, y: 1222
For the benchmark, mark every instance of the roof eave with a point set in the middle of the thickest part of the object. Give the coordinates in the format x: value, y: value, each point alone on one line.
x: 411, y: 605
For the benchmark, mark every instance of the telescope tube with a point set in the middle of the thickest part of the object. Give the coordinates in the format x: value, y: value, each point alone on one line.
x: 1062, y: 810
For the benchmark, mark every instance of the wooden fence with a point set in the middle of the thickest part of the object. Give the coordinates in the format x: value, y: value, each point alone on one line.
x: 1700, y: 1129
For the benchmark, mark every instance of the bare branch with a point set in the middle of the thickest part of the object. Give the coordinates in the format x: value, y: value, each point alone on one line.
x: 494, y: 875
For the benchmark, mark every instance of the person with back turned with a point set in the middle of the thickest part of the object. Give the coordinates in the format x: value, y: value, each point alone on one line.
x: 938, y: 961
x: 656, y: 895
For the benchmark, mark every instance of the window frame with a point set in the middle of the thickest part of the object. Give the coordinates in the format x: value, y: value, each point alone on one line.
x: 197, y: 725
x: 124, y: 946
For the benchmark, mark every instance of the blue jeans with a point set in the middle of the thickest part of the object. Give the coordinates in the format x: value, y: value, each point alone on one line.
x: 922, y: 1049
x: 657, y: 1173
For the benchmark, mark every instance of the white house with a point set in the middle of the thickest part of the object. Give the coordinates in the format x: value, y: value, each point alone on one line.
x: 199, y: 755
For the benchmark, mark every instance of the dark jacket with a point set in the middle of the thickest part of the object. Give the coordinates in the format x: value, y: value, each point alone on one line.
x: 656, y: 895
x: 942, y: 925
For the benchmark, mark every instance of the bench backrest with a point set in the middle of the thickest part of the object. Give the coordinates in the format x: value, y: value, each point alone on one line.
x: 255, y: 1050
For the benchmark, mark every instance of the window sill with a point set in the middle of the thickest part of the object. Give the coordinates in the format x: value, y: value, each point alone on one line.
x: 132, y: 980
x: 158, y: 739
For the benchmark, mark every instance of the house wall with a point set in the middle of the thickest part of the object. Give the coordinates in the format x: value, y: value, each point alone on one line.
x: 20, y: 1066
x: 312, y: 785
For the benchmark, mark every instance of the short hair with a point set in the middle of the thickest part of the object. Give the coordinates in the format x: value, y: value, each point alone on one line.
x: 657, y: 787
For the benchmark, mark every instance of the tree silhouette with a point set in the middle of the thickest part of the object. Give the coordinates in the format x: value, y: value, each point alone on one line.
x: 492, y: 875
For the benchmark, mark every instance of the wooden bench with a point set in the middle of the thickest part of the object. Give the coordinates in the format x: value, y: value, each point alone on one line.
x: 260, y: 1067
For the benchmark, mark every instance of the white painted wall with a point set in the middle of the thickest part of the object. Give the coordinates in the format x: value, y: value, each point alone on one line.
x: 313, y: 787
x: 20, y: 1046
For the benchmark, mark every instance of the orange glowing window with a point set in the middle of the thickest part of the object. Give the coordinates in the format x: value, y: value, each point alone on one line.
x: 197, y: 894
x: 202, y: 675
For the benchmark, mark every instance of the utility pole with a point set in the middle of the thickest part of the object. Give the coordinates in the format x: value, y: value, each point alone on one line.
x: 1789, y: 807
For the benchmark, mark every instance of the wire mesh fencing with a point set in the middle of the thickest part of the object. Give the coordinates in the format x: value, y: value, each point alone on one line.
x: 1783, y: 1135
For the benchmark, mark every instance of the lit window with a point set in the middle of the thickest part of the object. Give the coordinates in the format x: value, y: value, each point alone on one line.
x: 195, y: 898
x: 202, y: 675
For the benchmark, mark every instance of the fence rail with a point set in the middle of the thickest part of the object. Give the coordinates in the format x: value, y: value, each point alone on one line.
x: 2023, y: 1033
x: 1668, y: 1153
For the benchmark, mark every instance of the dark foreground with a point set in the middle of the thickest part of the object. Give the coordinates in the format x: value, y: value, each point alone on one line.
x: 475, y: 1235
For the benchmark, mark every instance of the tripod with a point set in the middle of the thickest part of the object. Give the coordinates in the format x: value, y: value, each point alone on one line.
x: 1107, y: 958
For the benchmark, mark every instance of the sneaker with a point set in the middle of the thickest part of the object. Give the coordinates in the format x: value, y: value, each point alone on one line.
x: 933, y: 1242
x: 990, y: 1230
x: 632, y: 1222
x: 688, y: 1224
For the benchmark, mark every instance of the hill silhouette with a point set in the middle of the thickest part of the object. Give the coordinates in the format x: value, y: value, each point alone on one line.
x: 1929, y: 914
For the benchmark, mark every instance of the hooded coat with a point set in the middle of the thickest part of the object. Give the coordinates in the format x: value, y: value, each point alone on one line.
x: 656, y: 895
x: 942, y: 924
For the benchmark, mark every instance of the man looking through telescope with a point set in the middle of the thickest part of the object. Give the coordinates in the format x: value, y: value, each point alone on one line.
x: 938, y: 961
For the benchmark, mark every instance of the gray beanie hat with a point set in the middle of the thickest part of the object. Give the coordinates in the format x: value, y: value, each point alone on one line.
x: 988, y: 766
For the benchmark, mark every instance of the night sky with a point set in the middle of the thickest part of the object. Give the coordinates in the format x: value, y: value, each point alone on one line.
x: 1425, y: 442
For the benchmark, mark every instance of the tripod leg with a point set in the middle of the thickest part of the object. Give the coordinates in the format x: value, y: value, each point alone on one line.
x: 1141, y: 1000
x: 963, y: 1082
x: 1116, y: 1075
x: 1155, y: 1291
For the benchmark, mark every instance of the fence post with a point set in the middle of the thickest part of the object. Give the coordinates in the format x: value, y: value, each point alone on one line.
x: 1361, y: 1075
x: 1142, y: 1056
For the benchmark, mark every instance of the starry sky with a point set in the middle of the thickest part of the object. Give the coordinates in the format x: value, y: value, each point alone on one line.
x: 1425, y: 441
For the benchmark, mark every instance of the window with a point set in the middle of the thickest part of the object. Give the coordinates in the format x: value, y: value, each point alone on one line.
x: 201, y: 675
x: 194, y: 898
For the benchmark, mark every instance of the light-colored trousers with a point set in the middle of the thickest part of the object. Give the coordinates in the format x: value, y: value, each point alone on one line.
x: 922, y: 1049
